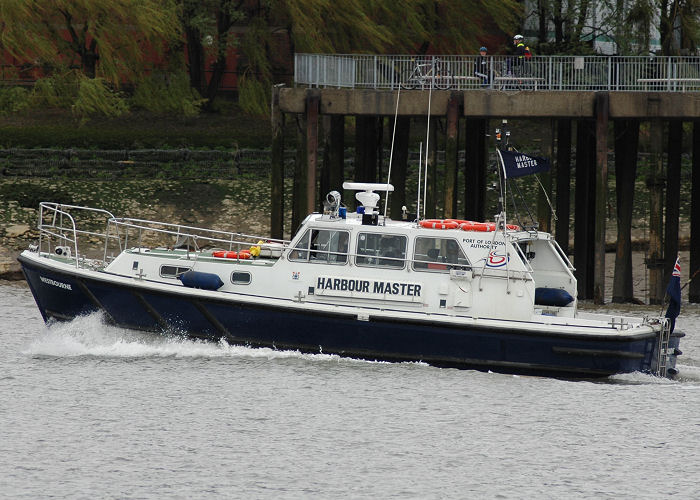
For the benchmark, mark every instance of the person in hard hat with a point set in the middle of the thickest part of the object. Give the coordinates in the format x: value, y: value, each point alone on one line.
x: 522, y: 54
x: 519, y: 43
x: 481, y: 66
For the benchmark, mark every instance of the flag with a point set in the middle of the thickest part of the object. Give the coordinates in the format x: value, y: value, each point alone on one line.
x: 518, y: 164
x: 674, y: 292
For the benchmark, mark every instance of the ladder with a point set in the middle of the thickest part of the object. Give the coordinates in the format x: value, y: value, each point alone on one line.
x: 662, y: 352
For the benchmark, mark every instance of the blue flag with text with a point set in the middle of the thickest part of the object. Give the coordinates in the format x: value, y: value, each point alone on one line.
x: 674, y: 292
x: 519, y: 164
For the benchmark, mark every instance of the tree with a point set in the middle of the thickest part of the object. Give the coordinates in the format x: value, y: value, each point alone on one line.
x: 571, y: 33
x: 208, y: 26
x: 453, y: 26
x: 679, y: 22
x: 107, y: 38
x: 356, y: 26
x: 630, y: 23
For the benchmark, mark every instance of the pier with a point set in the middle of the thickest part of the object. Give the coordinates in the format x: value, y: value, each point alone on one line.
x: 604, y: 96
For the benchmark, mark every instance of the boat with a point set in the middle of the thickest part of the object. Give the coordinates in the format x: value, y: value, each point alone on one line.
x: 450, y: 293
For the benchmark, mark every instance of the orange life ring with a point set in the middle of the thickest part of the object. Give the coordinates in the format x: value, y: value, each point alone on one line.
x: 439, y: 224
x: 468, y: 225
x: 485, y: 227
x: 223, y: 254
x: 244, y: 254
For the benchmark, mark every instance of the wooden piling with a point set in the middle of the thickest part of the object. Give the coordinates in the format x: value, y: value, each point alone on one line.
x: 313, y: 101
x: 655, y: 183
x: 365, y: 149
x: 451, y: 154
x: 379, y: 175
x: 694, y: 292
x: 584, y: 200
x: 400, y: 166
x: 431, y: 196
x: 602, y: 106
x: 324, y: 183
x: 544, y: 211
x: 475, y: 168
x: 299, y: 211
x: 277, y: 168
x: 626, y: 145
x: 673, y: 196
x: 563, y: 180
x: 336, y: 153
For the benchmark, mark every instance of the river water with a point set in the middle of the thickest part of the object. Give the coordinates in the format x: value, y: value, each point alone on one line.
x: 91, y: 411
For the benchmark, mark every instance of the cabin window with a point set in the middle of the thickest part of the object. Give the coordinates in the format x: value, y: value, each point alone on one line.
x: 381, y: 250
x: 172, y: 271
x: 240, y: 278
x: 438, y: 255
x: 322, y: 246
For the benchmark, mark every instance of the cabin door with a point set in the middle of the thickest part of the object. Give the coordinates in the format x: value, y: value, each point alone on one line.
x: 460, y: 293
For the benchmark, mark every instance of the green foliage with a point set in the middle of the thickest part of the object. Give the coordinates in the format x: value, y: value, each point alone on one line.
x: 253, y: 95
x: 108, y: 38
x: 84, y: 96
x: 96, y: 97
x: 13, y: 100
x: 168, y: 93
x: 256, y: 73
x: 56, y: 91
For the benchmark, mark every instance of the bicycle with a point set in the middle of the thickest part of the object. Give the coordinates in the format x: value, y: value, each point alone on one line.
x: 435, y: 73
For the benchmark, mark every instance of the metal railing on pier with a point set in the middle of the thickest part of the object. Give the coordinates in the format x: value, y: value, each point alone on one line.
x: 550, y: 73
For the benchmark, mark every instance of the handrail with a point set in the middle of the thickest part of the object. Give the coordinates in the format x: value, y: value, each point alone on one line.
x: 57, y: 228
x: 57, y: 224
x: 541, y: 73
x: 189, y: 237
x: 143, y: 223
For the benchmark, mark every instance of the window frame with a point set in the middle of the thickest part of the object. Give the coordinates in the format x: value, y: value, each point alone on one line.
x: 238, y: 271
x: 358, y: 255
x: 446, y: 267
x: 177, y: 271
x: 308, y: 251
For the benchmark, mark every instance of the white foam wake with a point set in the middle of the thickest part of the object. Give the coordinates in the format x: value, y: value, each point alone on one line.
x: 91, y: 336
x: 688, y: 373
x: 635, y: 378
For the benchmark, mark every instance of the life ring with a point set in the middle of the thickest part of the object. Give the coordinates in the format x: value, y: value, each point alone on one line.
x: 439, y: 224
x: 223, y: 254
x: 244, y: 254
x: 468, y: 225
x: 485, y: 227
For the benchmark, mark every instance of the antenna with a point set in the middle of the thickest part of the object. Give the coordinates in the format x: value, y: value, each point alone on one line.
x: 420, y: 159
x: 427, y: 148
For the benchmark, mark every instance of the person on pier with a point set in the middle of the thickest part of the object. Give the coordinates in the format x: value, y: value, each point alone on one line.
x: 481, y: 67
